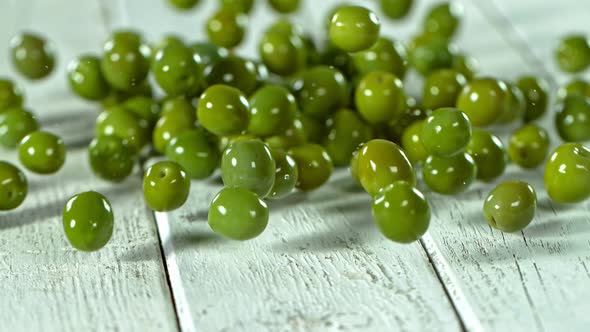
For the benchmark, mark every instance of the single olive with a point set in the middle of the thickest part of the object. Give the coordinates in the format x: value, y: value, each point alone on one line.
x: 286, y: 174
x: 466, y: 65
x: 567, y: 173
x: 484, y: 100
x: 177, y: 116
x: 167, y: 40
x: 535, y: 92
x: 401, y: 212
x: 443, y: 19
x: 428, y: 53
x: 119, y: 121
x: 572, y: 119
x: 573, y: 53
x: 380, y: 163
x: 577, y: 86
x: 13, y: 186
x: 223, y: 110
x: 244, y: 6
x: 441, y: 88
x: 32, y: 56
x: 125, y: 61
x: 396, y: 9
x: 385, y: 55
x: 144, y: 107
x: 248, y: 164
x: 529, y: 146
x: 88, y: 221
x: 86, y: 79
x: 234, y: 71
x: 380, y: 98
x: 510, y: 206
x: 111, y: 158
x: 16, y: 123
x: 449, y: 175
x: 412, y: 143
x: 517, y: 106
x: 195, y: 152
x: 166, y: 186
x: 11, y: 94
x: 346, y: 132
x: 183, y: 4
x: 272, y: 108
x: 177, y: 70
x: 314, y: 166
x: 42, y: 152
x: 238, y: 214
x: 320, y: 91
x: 489, y: 154
x: 284, y: 6
x: 284, y: 54
x: 446, y: 132
x: 226, y: 28
x: 354, y: 28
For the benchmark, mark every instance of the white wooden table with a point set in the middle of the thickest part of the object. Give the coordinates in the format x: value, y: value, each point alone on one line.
x: 321, y: 265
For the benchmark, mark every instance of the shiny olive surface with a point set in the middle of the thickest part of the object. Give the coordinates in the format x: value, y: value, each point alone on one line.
x: 11, y: 94
x: 401, y: 212
x: 178, y: 115
x: 125, y: 61
x: 443, y: 19
x: 320, y: 91
x: 412, y: 143
x: 88, y: 221
x: 86, y: 79
x: 510, y: 206
x: 396, y: 9
x: 248, y: 164
x: 354, y: 28
x: 234, y: 71
x: 446, y: 132
x: 484, y: 100
x: 449, y: 176
x: 314, y: 166
x: 42, y: 152
x: 111, y: 158
x: 13, y: 186
x: 535, y: 92
x: 32, y: 55
x: 16, y: 123
x: 529, y: 146
x: 385, y: 55
x: 380, y: 163
x: 119, y: 121
x: 226, y: 27
x: 195, y: 152
x: 282, y: 53
x: 489, y: 154
x: 441, y: 88
x: 380, y: 98
x: 286, y: 175
x: 223, y: 110
x: 272, y: 109
x: 572, y: 119
x: 238, y: 214
x: 177, y: 70
x: 573, y: 53
x: 567, y: 173
x: 166, y: 186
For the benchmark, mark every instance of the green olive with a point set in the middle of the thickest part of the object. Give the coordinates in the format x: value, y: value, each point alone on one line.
x: 529, y: 146
x: 449, y: 176
x: 489, y: 154
x: 511, y: 206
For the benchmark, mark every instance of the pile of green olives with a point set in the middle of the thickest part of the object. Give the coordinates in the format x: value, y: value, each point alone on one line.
x: 283, y: 121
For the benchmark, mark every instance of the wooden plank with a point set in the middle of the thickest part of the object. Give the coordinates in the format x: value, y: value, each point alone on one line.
x: 536, y: 279
x: 47, y: 285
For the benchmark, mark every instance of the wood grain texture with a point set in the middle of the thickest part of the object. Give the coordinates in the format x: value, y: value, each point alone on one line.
x: 47, y: 285
x: 320, y: 265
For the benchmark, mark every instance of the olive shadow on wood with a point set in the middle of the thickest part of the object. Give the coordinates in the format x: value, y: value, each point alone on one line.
x: 194, y: 239
x: 343, y: 233
x: 559, y: 226
x: 141, y: 253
